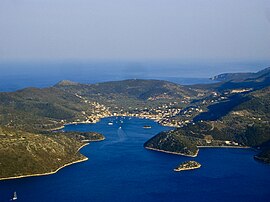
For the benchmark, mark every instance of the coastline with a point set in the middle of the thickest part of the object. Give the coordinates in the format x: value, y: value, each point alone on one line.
x: 99, y: 140
x: 52, y: 172
x: 195, y: 155
x: 169, y: 152
x: 183, y: 169
x: 261, y: 159
x: 232, y: 147
x: 58, y: 128
x: 118, y: 115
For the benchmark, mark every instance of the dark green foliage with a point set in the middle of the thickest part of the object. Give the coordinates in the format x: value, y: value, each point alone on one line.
x: 135, y: 88
x: 217, y: 111
x: 247, y: 123
x: 173, y: 143
x: 29, y: 108
x: 264, y: 155
x: 244, y: 119
x: 83, y: 136
x: 24, y: 153
x: 255, y: 135
x: 40, y: 109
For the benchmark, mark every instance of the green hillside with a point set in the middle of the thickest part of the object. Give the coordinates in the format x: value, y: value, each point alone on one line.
x: 246, y: 124
x: 23, y: 153
x: 231, y: 114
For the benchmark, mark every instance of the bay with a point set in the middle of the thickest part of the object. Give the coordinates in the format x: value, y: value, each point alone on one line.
x: 121, y: 169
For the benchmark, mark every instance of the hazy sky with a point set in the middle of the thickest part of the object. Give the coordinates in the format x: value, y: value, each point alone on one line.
x: 134, y: 29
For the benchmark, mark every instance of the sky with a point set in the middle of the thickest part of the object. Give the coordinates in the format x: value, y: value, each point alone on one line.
x: 134, y: 30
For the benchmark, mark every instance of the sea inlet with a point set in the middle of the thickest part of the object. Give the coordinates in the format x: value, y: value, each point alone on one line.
x: 120, y: 169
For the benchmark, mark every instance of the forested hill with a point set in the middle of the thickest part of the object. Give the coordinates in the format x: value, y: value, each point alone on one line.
x: 237, y: 117
x: 135, y: 88
x: 48, y: 108
x: 230, y: 113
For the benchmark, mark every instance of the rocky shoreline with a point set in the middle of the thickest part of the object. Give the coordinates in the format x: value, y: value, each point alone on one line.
x: 188, y: 165
x: 195, y: 155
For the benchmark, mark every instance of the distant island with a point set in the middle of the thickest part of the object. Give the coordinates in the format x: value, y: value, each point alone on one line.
x: 232, y: 113
x: 187, y: 165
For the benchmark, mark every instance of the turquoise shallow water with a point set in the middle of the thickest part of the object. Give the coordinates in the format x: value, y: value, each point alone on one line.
x: 120, y: 169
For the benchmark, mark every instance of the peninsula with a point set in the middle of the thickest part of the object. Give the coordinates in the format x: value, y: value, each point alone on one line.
x: 231, y: 113
x: 25, y: 154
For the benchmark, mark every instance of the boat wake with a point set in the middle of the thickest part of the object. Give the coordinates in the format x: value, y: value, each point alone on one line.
x: 122, y: 135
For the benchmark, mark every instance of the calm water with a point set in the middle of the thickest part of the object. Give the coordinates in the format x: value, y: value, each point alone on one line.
x: 17, y: 75
x: 120, y: 169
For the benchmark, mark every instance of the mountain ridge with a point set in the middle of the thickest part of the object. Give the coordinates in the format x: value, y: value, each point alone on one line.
x: 35, y: 112
x: 241, y: 76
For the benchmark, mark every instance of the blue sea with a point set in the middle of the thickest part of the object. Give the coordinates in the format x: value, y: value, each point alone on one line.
x: 17, y: 75
x: 120, y: 169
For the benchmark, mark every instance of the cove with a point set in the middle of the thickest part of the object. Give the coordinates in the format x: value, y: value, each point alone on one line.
x: 120, y: 169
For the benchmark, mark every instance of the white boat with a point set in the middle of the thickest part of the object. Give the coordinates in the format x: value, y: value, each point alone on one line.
x: 110, y: 123
x: 14, y: 196
x: 120, y: 127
